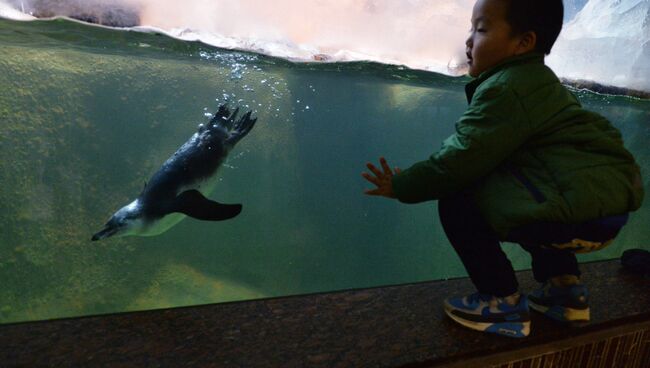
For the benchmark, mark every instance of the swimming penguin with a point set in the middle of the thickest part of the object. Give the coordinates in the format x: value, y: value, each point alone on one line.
x: 177, y: 189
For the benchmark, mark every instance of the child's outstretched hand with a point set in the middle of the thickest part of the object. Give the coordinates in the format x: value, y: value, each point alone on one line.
x: 383, y: 180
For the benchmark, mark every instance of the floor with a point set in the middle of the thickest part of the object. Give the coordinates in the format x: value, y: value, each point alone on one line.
x: 380, y: 327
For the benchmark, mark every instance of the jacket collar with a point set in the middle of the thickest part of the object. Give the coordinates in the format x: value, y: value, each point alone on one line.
x: 530, y: 57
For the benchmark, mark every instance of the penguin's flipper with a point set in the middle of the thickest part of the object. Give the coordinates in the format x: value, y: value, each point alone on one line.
x: 194, y: 204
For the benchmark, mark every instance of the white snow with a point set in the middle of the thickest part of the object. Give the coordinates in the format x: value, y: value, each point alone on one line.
x: 608, y: 42
x: 9, y: 12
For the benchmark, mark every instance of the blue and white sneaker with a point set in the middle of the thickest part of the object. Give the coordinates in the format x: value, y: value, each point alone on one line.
x: 561, y: 303
x: 488, y: 313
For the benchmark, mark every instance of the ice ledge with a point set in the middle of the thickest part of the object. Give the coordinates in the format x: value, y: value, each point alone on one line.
x: 388, y: 327
x: 605, y: 89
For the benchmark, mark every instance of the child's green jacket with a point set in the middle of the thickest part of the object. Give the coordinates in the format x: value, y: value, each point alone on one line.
x: 529, y: 153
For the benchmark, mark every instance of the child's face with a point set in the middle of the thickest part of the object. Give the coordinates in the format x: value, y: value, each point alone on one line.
x: 490, y: 40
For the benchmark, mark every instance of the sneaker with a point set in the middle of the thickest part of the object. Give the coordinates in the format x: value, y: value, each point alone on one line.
x: 561, y: 303
x: 636, y: 261
x: 487, y: 313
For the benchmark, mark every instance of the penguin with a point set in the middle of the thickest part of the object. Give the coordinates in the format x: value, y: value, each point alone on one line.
x: 179, y: 187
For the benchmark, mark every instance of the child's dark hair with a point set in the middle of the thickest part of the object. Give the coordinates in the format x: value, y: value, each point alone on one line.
x: 544, y: 17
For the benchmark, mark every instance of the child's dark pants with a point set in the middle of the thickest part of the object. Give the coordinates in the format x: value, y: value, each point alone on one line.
x: 488, y: 267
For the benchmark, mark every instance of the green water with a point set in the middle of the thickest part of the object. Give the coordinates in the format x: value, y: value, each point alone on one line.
x: 87, y: 115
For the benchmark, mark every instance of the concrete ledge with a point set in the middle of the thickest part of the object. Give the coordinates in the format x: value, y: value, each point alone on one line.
x: 382, y: 327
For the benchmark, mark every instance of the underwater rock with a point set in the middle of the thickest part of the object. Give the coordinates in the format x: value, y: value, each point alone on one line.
x: 118, y: 13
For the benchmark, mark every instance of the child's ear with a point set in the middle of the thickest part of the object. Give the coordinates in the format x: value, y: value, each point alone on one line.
x: 527, y: 42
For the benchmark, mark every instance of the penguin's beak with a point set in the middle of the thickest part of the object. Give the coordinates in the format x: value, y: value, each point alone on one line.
x: 105, y: 233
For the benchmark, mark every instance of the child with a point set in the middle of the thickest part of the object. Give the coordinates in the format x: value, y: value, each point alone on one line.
x: 527, y: 164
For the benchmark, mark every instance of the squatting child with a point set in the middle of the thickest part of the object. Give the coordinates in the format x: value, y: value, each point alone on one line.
x: 527, y: 164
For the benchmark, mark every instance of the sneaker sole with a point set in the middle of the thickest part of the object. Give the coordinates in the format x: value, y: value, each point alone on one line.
x: 561, y: 314
x: 510, y: 329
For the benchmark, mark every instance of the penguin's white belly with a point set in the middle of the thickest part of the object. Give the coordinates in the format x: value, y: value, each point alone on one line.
x: 161, y: 225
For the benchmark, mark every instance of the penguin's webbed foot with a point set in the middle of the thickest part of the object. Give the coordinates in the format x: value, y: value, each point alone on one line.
x: 241, y: 128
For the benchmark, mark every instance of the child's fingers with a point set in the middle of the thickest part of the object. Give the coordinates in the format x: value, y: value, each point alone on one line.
x: 384, y: 165
x: 373, y: 192
x: 370, y: 178
x: 374, y: 170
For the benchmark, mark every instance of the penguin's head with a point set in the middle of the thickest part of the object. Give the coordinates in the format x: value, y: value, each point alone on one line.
x: 123, y: 222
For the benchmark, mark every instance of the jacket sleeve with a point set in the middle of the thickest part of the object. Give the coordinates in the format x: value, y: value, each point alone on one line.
x: 492, y: 128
